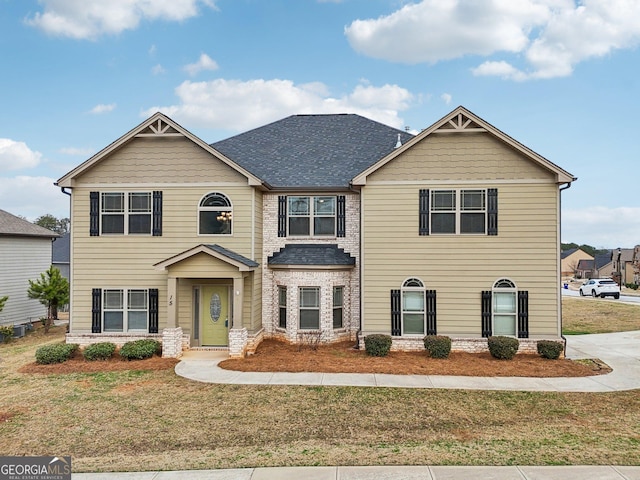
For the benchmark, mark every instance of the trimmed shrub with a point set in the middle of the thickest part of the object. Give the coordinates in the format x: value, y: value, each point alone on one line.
x: 139, y: 349
x: 6, y: 333
x: 550, y: 349
x: 438, y: 346
x: 57, y: 353
x: 377, y: 345
x: 99, y: 351
x: 503, y: 348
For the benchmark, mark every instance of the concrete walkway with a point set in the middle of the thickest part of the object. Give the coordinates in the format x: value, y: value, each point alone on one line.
x: 621, y: 351
x: 384, y: 473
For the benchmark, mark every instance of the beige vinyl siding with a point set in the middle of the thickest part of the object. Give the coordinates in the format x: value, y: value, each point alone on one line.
x: 116, y: 261
x: 256, y: 286
x: 22, y: 259
x: 463, y: 156
x: 460, y: 267
x: 161, y: 160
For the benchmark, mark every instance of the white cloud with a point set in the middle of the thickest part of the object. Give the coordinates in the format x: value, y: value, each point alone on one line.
x: 550, y: 36
x: 238, y: 105
x: 602, y: 226
x: 17, y: 155
x: 158, y: 69
x: 102, y: 108
x: 446, y: 98
x: 205, y: 62
x: 83, y: 152
x: 32, y: 197
x: 84, y: 19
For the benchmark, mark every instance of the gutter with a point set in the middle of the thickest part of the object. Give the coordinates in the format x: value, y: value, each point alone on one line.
x: 566, y: 187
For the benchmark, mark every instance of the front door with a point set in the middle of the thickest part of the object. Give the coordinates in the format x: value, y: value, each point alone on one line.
x: 214, y: 315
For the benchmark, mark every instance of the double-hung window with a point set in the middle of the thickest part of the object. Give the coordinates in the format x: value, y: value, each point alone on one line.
x: 312, y: 216
x: 309, y: 308
x: 125, y: 213
x: 505, y: 309
x: 125, y: 310
x: 338, y: 304
x: 282, y: 306
x: 458, y: 211
x: 413, y: 307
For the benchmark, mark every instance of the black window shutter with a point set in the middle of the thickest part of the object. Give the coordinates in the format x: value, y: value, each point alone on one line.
x: 423, y: 228
x: 340, y: 216
x: 94, y: 214
x: 431, y: 313
x: 282, y: 216
x: 153, y: 310
x: 486, y: 313
x: 396, y: 313
x: 96, y: 310
x: 492, y: 211
x: 523, y: 314
x: 157, y: 214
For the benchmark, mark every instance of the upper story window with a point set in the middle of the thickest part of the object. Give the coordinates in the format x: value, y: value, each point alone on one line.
x: 458, y: 211
x: 125, y: 213
x: 215, y: 215
x: 312, y: 216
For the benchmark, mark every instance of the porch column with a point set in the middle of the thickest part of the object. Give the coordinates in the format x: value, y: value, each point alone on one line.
x: 172, y: 302
x: 238, y: 295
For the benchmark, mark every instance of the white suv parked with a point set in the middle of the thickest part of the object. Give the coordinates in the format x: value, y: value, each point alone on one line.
x: 600, y: 287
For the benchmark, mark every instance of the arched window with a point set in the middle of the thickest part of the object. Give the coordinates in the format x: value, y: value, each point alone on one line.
x: 505, y: 308
x: 215, y: 214
x: 413, y: 307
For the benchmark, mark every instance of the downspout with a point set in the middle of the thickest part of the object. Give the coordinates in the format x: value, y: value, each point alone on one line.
x: 70, y: 269
x: 564, y: 339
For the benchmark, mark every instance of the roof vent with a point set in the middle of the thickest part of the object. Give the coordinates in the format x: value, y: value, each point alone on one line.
x: 399, y: 142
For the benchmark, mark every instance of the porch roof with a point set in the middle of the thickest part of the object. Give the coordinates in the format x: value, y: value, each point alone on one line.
x: 241, y: 262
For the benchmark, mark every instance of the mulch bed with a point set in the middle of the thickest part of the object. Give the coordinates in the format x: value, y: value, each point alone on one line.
x: 77, y: 364
x: 275, y: 356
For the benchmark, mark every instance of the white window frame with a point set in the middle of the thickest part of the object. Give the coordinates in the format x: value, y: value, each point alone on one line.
x: 124, y: 308
x: 312, y: 215
x: 225, y: 213
x: 282, y: 305
x: 410, y: 286
x: 337, y: 307
x: 500, y: 287
x: 458, y: 209
x: 302, y: 307
x: 126, y: 211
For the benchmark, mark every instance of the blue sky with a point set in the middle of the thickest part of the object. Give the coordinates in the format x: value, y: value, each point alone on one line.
x: 559, y: 76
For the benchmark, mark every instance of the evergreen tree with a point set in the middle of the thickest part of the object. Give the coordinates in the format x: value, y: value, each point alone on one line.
x: 52, y: 290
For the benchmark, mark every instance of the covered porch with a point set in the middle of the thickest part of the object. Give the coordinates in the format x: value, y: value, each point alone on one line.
x: 210, y: 292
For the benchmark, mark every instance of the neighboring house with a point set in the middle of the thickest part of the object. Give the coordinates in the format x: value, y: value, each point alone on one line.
x: 60, y: 254
x: 25, y: 253
x: 570, y: 260
x: 622, y: 260
x: 585, y: 269
x: 320, y: 226
x: 603, y: 266
x: 636, y: 265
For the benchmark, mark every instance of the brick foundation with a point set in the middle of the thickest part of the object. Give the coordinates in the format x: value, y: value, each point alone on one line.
x: 172, y: 342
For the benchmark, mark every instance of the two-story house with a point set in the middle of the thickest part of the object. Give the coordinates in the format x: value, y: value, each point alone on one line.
x: 323, y: 226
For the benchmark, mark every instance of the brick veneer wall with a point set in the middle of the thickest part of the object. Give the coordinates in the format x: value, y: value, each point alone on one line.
x: 325, y: 279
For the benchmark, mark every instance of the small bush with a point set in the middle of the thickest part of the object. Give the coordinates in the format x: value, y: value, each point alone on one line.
x: 550, y: 349
x: 57, y: 353
x: 503, y: 348
x: 139, y: 349
x: 377, y: 345
x: 6, y: 333
x: 99, y: 351
x: 438, y: 346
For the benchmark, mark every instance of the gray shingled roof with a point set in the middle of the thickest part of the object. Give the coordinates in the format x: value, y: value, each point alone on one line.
x: 60, y: 249
x: 232, y: 255
x: 312, y: 150
x: 13, y: 226
x: 311, y: 254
